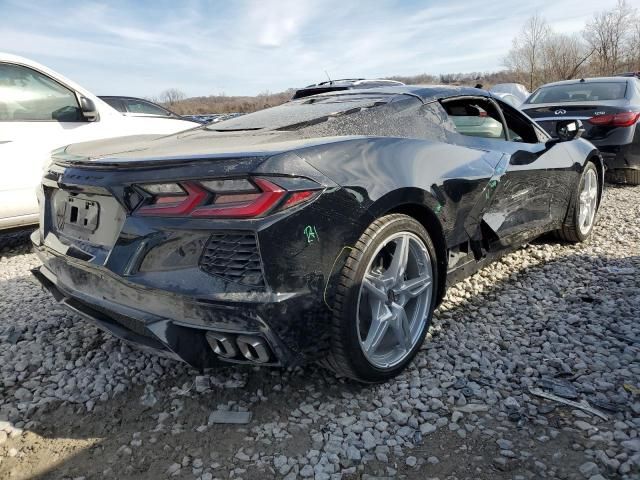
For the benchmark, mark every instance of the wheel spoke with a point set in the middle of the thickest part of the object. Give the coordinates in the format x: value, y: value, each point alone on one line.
x: 593, y: 187
x: 376, y: 333
x: 401, y: 329
x: 398, y: 264
x: 415, y: 286
x: 583, y: 215
x: 369, y: 282
x: 584, y: 197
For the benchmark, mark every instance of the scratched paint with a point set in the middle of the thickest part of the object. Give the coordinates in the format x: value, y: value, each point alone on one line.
x: 490, y: 187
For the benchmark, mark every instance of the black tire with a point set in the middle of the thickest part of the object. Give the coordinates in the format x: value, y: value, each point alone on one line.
x: 13, y: 238
x: 570, y: 232
x: 632, y: 177
x: 627, y: 176
x: 346, y: 357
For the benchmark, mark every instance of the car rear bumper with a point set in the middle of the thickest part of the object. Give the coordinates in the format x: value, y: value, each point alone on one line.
x: 620, y: 147
x: 282, y: 330
x: 618, y: 157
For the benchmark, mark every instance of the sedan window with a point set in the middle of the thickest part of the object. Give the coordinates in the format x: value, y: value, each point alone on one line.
x: 115, y: 103
x: 140, y: 106
x: 580, y: 92
x: 27, y: 95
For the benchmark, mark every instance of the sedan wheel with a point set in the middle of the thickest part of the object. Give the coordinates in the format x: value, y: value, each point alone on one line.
x: 394, y: 298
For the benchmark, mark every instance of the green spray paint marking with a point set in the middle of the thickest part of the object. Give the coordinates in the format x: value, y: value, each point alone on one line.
x: 311, y: 233
x: 438, y: 209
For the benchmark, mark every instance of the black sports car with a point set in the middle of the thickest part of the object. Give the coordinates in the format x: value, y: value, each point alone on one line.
x: 323, y: 229
x: 610, y: 110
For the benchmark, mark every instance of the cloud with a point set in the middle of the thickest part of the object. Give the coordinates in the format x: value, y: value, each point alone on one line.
x: 274, y: 24
x: 248, y: 46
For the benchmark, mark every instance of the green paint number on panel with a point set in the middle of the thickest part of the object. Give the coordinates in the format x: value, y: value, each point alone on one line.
x: 311, y: 233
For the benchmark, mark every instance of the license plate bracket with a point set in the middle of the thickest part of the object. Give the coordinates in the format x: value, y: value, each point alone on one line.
x: 82, y: 214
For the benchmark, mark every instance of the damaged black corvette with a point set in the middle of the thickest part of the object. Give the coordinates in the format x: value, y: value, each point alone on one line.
x: 325, y: 229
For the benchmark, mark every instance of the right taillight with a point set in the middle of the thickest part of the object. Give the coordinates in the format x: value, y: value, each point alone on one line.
x: 623, y: 119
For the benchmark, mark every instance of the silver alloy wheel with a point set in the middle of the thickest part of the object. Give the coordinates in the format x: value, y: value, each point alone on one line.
x: 588, y: 202
x: 394, y: 299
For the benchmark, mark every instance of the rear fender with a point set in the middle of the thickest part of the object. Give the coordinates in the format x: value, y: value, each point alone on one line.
x: 426, y: 208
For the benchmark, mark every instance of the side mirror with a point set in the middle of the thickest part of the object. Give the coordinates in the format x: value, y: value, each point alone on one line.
x: 88, y: 108
x: 568, y: 130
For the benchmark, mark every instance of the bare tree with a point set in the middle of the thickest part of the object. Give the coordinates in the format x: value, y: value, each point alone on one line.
x: 564, y: 57
x: 526, y: 54
x: 153, y: 99
x: 449, y: 78
x: 608, y: 34
x: 632, y: 62
x: 171, y: 96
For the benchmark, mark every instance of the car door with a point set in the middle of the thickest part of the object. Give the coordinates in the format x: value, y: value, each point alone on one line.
x: 532, y: 194
x: 529, y: 191
x: 37, y: 114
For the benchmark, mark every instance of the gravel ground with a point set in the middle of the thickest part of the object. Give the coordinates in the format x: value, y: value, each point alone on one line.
x: 76, y: 403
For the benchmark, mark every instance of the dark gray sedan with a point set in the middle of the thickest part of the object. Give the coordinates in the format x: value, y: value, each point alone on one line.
x: 609, y: 108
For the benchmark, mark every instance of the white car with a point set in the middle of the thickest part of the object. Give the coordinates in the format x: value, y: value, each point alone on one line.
x: 40, y: 110
x: 512, y: 93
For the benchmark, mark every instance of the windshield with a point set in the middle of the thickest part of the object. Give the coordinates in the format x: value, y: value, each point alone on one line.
x: 303, y: 112
x: 580, y: 92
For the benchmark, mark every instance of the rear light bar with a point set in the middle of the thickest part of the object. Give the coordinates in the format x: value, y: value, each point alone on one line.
x: 175, y: 204
x: 249, y: 205
x: 227, y: 198
x: 623, y: 119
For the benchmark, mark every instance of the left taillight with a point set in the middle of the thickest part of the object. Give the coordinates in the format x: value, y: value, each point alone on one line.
x: 221, y: 198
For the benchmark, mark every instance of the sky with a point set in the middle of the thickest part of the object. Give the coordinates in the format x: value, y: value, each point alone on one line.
x: 244, y: 47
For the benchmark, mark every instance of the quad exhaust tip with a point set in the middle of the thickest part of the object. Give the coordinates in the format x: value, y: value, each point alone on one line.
x: 254, y: 349
x: 222, y: 345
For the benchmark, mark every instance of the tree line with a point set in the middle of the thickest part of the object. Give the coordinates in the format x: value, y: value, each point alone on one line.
x: 608, y: 44
x: 176, y: 101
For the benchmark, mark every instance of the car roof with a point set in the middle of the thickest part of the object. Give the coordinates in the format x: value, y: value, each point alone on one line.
x: 355, y: 82
x: 588, y: 80
x: 125, y: 97
x: 343, y: 84
x: 426, y: 93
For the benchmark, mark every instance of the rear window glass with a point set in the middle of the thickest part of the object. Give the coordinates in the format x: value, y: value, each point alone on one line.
x: 304, y: 112
x: 580, y: 92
